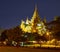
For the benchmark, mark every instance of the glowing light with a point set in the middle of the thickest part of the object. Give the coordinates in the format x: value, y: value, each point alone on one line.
x: 47, y: 33
x: 38, y: 24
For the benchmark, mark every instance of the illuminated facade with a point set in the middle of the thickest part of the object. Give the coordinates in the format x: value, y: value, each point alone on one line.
x: 34, y: 25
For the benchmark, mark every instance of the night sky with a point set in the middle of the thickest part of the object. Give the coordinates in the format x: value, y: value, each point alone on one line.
x: 13, y: 11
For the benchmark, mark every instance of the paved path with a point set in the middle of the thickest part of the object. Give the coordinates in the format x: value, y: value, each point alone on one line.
x: 19, y: 49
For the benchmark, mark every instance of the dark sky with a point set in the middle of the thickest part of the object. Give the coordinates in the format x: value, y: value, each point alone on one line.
x: 12, y: 11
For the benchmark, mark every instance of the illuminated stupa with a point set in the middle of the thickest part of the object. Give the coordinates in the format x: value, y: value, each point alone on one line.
x: 33, y: 25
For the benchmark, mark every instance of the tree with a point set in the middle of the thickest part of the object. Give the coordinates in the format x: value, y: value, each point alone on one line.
x: 54, y: 27
x: 3, y: 36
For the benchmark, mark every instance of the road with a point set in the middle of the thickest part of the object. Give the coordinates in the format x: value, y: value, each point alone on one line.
x: 20, y: 49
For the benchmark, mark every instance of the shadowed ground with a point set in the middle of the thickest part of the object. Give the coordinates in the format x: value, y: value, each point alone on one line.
x: 20, y: 49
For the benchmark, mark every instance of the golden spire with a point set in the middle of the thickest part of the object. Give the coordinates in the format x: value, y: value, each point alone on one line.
x: 27, y: 21
x: 22, y: 25
x: 35, y: 15
x: 35, y: 7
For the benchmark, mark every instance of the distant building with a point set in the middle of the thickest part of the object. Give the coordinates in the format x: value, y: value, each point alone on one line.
x: 34, y: 25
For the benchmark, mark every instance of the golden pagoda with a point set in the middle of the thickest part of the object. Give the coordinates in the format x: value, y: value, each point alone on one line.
x: 34, y: 25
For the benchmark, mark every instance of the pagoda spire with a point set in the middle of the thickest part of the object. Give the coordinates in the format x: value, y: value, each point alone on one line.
x: 35, y: 7
x: 35, y: 15
x: 27, y: 21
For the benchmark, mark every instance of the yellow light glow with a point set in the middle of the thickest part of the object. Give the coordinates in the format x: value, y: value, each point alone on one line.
x: 47, y: 33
